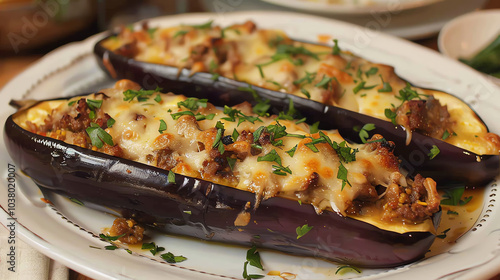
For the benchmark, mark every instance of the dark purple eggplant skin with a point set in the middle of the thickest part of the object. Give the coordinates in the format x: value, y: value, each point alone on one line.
x: 452, y: 167
x: 144, y: 193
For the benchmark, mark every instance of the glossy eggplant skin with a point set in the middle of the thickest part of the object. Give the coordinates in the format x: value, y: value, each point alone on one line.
x: 452, y: 167
x: 144, y: 193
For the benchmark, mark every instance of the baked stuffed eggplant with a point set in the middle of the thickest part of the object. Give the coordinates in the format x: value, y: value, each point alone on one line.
x: 184, y: 166
x: 206, y: 60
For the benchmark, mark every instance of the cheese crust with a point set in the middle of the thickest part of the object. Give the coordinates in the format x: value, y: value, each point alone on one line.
x: 268, y: 156
x: 272, y: 60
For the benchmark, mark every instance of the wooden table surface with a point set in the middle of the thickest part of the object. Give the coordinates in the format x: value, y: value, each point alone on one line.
x: 10, y: 66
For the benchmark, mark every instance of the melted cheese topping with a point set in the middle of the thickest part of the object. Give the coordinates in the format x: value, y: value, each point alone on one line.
x: 313, y: 176
x: 253, y: 55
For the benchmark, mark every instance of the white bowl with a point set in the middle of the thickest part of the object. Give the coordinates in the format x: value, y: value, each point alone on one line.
x: 466, y: 35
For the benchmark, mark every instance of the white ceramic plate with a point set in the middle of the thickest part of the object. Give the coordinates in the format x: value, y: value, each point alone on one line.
x: 417, y: 23
x: 352, y: 6
x: 69, y: 234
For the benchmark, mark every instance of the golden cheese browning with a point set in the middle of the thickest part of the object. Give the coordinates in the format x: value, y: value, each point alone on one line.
x: 270, y: 59
x: 234, y: 147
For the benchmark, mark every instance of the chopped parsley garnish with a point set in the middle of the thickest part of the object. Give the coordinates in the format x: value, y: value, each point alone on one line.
x: 274, y: 157
x: 157, y: 98
x: 345, y: 153
x: 71, y: 103
x: 407, y: 94
x: 171, y: 258
x: 312, y: 145
x: 447, y: 134
x: 342, y: 175
x: 290, y: 50
x: 231, y: 162
x: 290, y: 114
x: 335, y: 48
x: 252, y: 258
x: 151, y: 31
x: 284, y: 51
x: 324, y: 83
x: 276, y: 131
x: 233, y: 114
x: 443, y: 234
x: 306, y: 93
x: 110, y: 122
x: 110, y: 247
x: 223, y: 31
x: 261, y: 72
x: 111, y: 238
x: 451, y: 212
x: 275, y: 83
x: 206, y: 25
x: 235, y: 134
x: 198, y: 116
x: 152, y: 247
x: 171, y: 177
x: 274, y: 42
x: 180, y: 33
x: 390, y: 114
x: 386, y: 87
x: 193, y: 103
x: 302, y: 230
x: 257, y: 133
x: 314, y: 128
x: 350, y: 267
x: 371, y: 71
x: 141, y: 95
x: 453, y: 197
x: 363, y: 132
x: 76, y: 200
x: 94, y: 104
x: 433, y: 152
x: 291, y: 152
x: 163, y: 126
x: 98, y: 136
x: 308, y: 78
x: 361, y: 86
x: 215, y: 76
x: 281, y: 170
x: 262, y: 105
x: 212, y: 66
x: 359, y: 74
x: 218, y: 137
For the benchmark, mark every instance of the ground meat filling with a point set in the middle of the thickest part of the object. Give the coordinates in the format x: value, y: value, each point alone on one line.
x: 129, y: 230
x: 397, y: 197
x: 428, y: 117
x: 76, y: 121
x: 416, y: 202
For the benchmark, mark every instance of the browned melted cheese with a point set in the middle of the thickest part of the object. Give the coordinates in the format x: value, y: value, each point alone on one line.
x: 189, y: 147
x: 246, y: 53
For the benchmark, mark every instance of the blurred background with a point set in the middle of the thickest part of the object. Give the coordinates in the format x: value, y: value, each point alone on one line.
x: 31, y: 28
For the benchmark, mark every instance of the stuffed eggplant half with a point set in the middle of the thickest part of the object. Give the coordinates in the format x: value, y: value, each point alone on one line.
x: 184, y: 166
x: 206, y: 60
